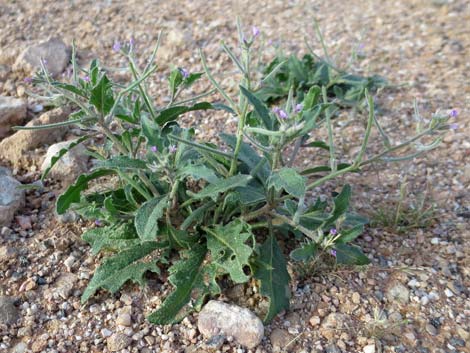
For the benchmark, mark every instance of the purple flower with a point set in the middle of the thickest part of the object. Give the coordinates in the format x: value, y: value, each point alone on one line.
x: 132, y: 42
x: 453, y: 113
x: 333, y: 252
x: 299, y: 107
x: 276, y: 110
x: 255, y: 31
x: 116, y: 46
x: 184, y: 72
x: 282, y: 114
x: 172, y: 149
x: 86, y: 79
x: 154, y: 149
x: 28, y: 80
x: 97, y: 222
x: 454, y: 126
x: 333, y: 231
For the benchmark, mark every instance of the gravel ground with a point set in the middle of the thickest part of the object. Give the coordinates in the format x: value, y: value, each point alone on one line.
x: 415, y: 295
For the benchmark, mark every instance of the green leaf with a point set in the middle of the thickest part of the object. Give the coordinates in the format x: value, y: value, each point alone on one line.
x: 199, y: 172
x: 70, y: 88
x: 179, y: 239
x: 260, y: 108
x: 172, y: 113
x: 312, y: 97
x: 190, y: 276
x: 350, y: 255
x: 228, y: 249
x: 102, y: 95
x: 125, y: 266
x: 289, y: 180
x: 323, y: 168
x: 221, y: 186
x: 147, y: 217
x: 341, y: 205
x: 271, y: 271
x: 61, y: 153
x: 175, y: 80
x: 113, y: 238
x: 72, y: 194
x: 350, y: 234
x: 193, y: 77
x: 251, y: 194
x: 305, y: 252
x: 318, y: 144
x: 249, y: 156
x: 121, y: 163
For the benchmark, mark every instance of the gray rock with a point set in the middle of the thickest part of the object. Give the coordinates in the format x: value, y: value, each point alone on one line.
x: 64, y: 284
x: 9, y: 313
x: 7, y: 253
x: 118, y: 341
x: 11, y: 198
x: 70, y: 165
x: 54, y: 52
x: 279, y: 339
x: 15, y: 147
x: 396, y: 291
x: 217, y: 318
x: 12, y: 112
x: 333, y: 324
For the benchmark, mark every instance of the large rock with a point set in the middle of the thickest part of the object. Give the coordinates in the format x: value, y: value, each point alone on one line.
x: 11, y: 198
x: 15, y: 147
x: 70, y: 165
x: 118, y: 342
x: 12, y: 112
x: 54, y: 52
x: 397, y: 292
x: 9, y: 313
x: 217, y: 318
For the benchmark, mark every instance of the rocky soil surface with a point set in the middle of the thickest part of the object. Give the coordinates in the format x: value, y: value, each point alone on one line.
x: 415, y: 295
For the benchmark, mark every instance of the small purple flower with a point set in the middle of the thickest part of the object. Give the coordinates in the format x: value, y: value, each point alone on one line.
x: 154, y: 149
x: 282, y: 114
x: 28, y: 80
x: 255, y: 30
x: 454, y: 126
x: 276, y: 110
x: 453, y: 113
x: 361, y: 46
x: 184, y: 72
x: 299, y: 107
x: 97, y: 222
x: 86, y: 79
x: 132, y: 42
x: 172, y: 148
x: 333, y: 252
x: 333, y: 231
x: 116, y: 46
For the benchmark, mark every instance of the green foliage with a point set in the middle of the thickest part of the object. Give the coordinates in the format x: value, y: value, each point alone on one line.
x: 217, y: 212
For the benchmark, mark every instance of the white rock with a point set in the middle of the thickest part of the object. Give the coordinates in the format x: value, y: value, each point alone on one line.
x: 70, y: 165
x: 369, y: 348
x: 12, y: 112
x: 11, y: 197
x: 424, y: 300
x: 217, y: 318
x: 396, y: 291
x: 54, y: 52
x: 448, y: 293
x: 435, y: 241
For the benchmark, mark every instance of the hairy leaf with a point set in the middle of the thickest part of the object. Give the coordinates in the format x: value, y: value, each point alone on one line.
x: 350, y: 234
x: 350, y: 255
x: 260, y: 108
x: 304, y: 252
x: 188, y: 275
x: 271, y: 271
x: 199, y: 172
x: 123, y: 267
x: 147, y: 217
x: 114, y: 237
x: 72, y: 194
x: 228, y: 249
x: 222, y: 185
x: 102, y: 95
x: 172, y: 113
x: 341, y: 205
x: 289, y: 180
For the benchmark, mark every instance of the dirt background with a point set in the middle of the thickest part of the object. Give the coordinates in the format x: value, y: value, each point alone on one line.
x: 422, y: 47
